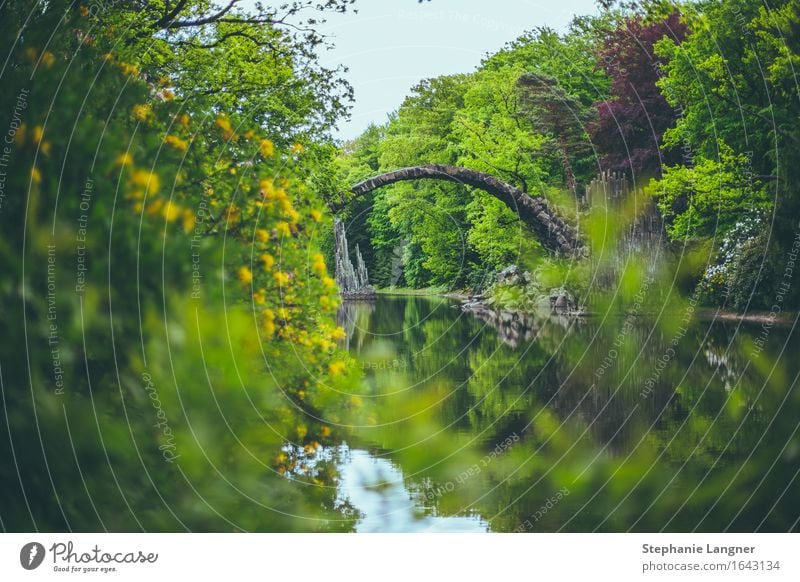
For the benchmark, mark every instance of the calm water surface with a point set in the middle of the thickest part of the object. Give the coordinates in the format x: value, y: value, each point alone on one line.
x: 609, y: 424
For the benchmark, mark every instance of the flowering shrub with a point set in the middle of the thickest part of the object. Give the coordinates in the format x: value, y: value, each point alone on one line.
x: 162, y: 276
x: 736, y: 277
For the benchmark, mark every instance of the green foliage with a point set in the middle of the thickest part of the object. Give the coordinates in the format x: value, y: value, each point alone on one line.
x: 446, y: 234
x: 162, y: 268
x: 707, y: 198
x: 260, y: 62
x: 493, y: 135
x: 496, y: 235
x: 734, y: 80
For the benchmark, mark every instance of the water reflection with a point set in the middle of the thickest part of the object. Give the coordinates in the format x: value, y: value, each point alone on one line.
x: 375, y: 487
x: 629, y: 423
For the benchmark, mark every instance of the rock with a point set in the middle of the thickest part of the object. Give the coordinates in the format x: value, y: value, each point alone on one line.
x: 562, y: 302
x: 509, y: 276
x: 353, y: 282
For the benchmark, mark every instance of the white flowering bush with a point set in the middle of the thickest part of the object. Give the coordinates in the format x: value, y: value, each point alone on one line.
x: 740, y: 266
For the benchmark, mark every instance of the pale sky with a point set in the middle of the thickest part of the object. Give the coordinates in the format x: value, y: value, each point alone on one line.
x: 390, y: 45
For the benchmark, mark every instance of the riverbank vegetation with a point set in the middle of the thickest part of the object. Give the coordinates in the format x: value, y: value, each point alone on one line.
x: 168, y: 318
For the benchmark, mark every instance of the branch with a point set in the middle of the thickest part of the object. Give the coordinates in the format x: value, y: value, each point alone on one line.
x: 225, y: 37
x: 171, y: 23
x: 170, y: 16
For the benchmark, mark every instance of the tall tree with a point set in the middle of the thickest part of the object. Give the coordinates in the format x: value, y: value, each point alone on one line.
x: 735, y: 80
x: 559, y: 115
x: 631, y: 123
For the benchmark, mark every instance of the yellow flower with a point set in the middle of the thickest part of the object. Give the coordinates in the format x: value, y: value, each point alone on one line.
x: 249, y: 134
x: 155, y: 206
x: 336, y: 368
x: 129, y: 69
x: 267, y: 148
x: 260, y: 296
x: 176, y: 142
x: 293, y: 216
x: 283, y: 228
x: 36, y: 175
x: 84, y: 11
x: 328, y: 283
x: 338, y: 333
x: 184, y: 120
x: 124, y: 159
x: 267, y: 189
x: 244, y: 275
x: 302, y: 431
x: 285, y: 204
x: 262, y: 235
x: 325, y: 431
x: 316, y: 215
x: 233, y: 213
x: 225, y: 126
x: 36, y: 134
x: 188, y: 220
x: 268, y: 261
x: 171, y: 211
x: 147, y: 180
x: 141, y: 112
x: 297, y: 148
x: 280, y: 277
x: 48, y: 59
x: 319, y: 264
x: 45, y: 147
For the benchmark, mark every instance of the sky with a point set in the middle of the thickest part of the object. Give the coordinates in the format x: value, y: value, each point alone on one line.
x: 390, y: 45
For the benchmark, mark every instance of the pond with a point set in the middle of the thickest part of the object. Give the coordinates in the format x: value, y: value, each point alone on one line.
x: 629, y: 423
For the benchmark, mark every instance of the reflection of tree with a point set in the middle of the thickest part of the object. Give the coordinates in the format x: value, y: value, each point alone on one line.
x: 630, y: 458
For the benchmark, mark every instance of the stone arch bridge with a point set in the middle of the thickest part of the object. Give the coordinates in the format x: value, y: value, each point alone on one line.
x: 554, y: 233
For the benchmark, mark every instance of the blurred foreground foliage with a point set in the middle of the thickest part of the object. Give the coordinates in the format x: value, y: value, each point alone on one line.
x: 168, y: 338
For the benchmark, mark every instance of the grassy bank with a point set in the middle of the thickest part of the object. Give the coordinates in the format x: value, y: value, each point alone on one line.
x: 438, y: 291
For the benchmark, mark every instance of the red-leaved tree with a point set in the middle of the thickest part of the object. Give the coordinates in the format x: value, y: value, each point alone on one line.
x: 630, y: 124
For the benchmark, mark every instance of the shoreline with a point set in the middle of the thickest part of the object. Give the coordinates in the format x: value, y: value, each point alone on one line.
x: 786, y: 318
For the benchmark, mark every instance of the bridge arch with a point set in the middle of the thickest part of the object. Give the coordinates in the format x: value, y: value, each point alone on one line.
x: 555, y: 234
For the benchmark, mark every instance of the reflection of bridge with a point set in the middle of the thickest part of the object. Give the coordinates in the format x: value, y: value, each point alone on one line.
x: 552, y: 230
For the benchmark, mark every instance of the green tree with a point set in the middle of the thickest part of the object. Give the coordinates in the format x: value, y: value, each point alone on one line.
x: 733, y: 79
x: 162, y: 268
